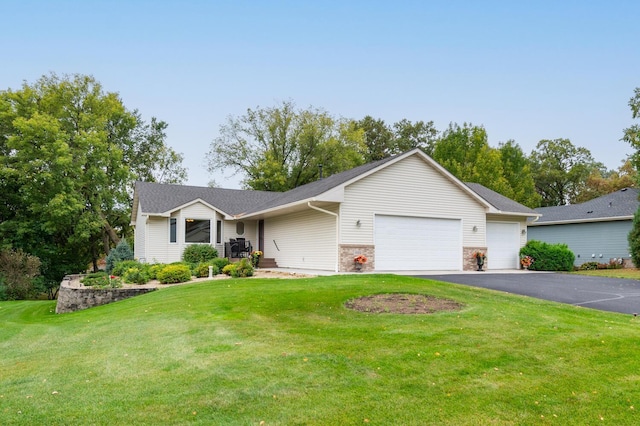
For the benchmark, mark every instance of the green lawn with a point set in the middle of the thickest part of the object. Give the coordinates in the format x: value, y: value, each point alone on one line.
x: 287, y: 352
x: 631, y: 273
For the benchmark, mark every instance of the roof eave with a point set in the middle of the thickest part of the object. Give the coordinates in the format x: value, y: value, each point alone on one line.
x: 587, y: 220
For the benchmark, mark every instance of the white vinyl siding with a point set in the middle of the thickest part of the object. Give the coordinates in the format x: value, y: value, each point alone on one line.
x: 410, y: 187
x: 503, y: 245
x: 304, y: 239
x: 417, y: 243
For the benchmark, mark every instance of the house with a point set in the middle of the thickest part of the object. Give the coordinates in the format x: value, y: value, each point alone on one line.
x: 403, y: 213
x: 596, y: 230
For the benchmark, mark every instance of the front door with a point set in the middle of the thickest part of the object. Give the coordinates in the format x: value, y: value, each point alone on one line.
x: 261, y: 235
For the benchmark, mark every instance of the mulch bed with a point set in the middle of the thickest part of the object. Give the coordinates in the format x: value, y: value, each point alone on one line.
x: 402, y: 304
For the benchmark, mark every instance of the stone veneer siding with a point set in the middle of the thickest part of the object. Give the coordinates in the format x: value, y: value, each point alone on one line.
x: 349, y: 251
x: 71, y: 298
x: 469, y: 263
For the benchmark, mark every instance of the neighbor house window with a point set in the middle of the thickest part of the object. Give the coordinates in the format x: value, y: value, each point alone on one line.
x: 173, y: 230
x: 197, y: 231
x: 240, y: 228
x: 218, y: 231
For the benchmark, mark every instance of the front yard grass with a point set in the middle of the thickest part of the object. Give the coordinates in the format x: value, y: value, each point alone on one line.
x: 630, y: 273
x: 286, y: 352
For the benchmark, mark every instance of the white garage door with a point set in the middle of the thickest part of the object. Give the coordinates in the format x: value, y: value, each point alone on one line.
x: 416, y: 243
x: 503, y: 245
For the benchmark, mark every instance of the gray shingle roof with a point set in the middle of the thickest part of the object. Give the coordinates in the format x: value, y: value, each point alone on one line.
x: 499, y: 201
x: 617, y: 205
x: 162, y: 198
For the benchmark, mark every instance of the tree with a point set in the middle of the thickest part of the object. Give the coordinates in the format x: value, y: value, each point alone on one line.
x: 516, y: 170
x: 383, y: 141
x: 18, y: 272
x: 465, y: 152
x: 632, y: 136
x: 280, y: 148
x: 560, y: 171
x: 599, y: 183
x: 70, y: 153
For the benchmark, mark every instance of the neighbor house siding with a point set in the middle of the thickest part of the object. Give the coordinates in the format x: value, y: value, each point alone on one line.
x: 304, y: 239
x: 410, y: 187
x: 587, y: 240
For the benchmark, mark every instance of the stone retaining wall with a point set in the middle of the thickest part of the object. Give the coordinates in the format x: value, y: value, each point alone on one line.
x: 73, y: 296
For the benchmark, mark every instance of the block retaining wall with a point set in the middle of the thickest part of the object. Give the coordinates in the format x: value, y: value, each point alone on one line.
x: 73, y: 296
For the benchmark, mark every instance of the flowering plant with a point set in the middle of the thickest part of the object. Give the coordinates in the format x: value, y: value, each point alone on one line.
x: 361, y: 258
x: 478, y: 255
x: 255, y: 257
x: 256, y: 253
x: 526, y: 261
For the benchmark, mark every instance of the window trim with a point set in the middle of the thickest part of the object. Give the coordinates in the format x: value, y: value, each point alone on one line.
x: 192, y: 219
x: 173, y: 230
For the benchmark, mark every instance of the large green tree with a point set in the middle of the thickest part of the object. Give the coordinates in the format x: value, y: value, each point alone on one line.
x: 465, y: 152
x: 282, y: 147
x: 69, y: 155
x: 383, y: 141
x: 516, y: 169
x: 632, y: 136
x: 561, y: 170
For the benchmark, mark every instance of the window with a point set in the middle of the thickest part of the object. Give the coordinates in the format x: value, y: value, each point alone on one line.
x: 219, y: 231
x: 173, y: 230
x: 240, y: 228
x: 197, y: 231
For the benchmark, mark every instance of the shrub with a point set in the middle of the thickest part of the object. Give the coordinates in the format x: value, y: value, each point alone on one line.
x: 228, y: 268
x: 154, y: 269
x: 242, y: 269
x: 124, y: 265
x: 176, y: 273
x: 548, y: 257
x: 202, y: 269
x: 198, y: 253
x: 18, y: 272
x: 101, y: 280
x: 136, y: 276
x: 121, y: 252
x: 220, y: 262
x: 588, y: 266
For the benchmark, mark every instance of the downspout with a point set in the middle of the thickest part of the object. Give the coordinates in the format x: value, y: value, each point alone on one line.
x: 337, y: 230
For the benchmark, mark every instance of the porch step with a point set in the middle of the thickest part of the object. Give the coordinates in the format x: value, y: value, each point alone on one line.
x: 268, y: 262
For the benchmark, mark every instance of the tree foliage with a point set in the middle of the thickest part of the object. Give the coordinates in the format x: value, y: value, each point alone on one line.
x: 516, y: 169
x: 383, y: 141
x: 601, y: 183
x: 280, y: 148
x: 561, y: 170
x: 69, y: 155
x: 18, y: 274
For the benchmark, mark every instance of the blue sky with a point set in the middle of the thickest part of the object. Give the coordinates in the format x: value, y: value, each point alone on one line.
x: 524, y: 70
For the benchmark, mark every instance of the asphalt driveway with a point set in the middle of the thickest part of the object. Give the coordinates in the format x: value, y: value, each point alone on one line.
x: 606, y: 294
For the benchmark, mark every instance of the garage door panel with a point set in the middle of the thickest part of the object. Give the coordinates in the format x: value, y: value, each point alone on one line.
x: 503, y: 245
x: 415, y: 243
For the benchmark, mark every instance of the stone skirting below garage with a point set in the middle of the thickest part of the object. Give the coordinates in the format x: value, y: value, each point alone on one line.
x: 73, y: 296
x: 469, y: 262
x: 349, y: 251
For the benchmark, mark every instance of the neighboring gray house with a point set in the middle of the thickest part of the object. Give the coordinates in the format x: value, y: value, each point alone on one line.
x: 596, y: 230
x: 403, y: 213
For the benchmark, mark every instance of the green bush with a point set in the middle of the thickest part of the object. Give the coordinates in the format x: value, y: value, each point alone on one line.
x: 242, y: 269
x: 122, y: 266
x: 227, y: 269
x: 548, y: 257
x: 176, y: 273
x: 136, y: 275
x: 121, y: 252
x: 101, y: 280
x: 198, y: 253
x: 220, y: 262
x: 202, y: 270
x: 18, y: 273
x: 588, y: 266
x: 154, y: 269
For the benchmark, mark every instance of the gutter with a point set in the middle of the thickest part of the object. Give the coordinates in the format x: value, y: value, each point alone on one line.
x: 337, y: 228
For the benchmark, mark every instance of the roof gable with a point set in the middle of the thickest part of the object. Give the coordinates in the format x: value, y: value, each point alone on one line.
x: 618, y: 205
x: 500, y: 202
